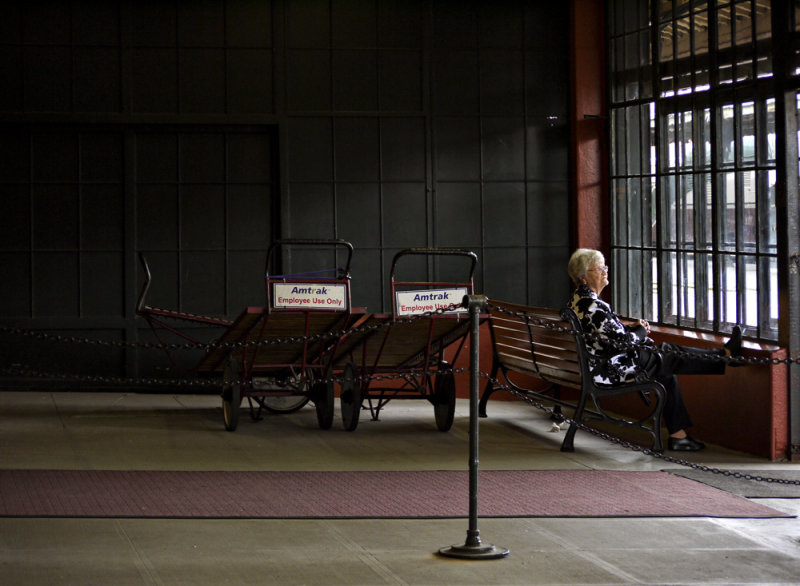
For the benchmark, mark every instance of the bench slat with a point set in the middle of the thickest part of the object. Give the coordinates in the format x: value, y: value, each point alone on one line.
x: 543, y: 353
x: 549, y: 373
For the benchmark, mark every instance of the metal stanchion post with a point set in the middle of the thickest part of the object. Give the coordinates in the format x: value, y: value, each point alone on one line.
x: 473, y: 549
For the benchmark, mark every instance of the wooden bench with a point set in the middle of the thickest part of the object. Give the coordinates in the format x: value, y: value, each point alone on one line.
x: 544, y: 343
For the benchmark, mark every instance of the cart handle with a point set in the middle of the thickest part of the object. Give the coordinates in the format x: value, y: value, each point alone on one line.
x: 140, y: 305
x: 436, y: 252
x: 289, y: 242
x: 150, y: 313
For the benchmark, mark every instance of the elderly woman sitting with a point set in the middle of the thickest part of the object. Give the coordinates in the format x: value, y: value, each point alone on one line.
x: 619, y: 352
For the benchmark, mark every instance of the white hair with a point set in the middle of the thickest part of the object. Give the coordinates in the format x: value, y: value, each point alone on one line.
x: 580, y: 262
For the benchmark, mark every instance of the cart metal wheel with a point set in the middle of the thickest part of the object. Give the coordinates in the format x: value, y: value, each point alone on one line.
x: 290, y: 393
x: 323, y: 402
x: 444, y: 398
x: 283, y: 405
x: 231, y: 395
x: 351, y: 398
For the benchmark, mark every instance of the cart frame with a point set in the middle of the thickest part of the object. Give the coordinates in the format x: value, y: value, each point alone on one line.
x: 408, y: 349
x: 279, y: 358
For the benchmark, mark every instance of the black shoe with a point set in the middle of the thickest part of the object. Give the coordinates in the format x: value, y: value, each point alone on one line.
x: 685, y: 444
x: 734, y: 345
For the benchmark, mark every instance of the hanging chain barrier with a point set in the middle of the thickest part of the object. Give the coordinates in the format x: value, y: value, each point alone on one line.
x: 564, y: 420
x: 622, y: 346
x: 22, y: 370
x: 216, y: 383
x: 243, y: 344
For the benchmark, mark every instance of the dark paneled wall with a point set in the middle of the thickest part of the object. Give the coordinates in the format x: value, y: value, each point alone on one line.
x: 432, y: 124
x: 197, y: 132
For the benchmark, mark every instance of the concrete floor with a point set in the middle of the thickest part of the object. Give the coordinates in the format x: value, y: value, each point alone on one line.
x: 185, y: 432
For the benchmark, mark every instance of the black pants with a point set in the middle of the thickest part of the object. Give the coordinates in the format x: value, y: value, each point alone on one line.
x: 667, y: 360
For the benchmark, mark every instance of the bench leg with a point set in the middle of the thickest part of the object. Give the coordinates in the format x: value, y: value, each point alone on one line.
x: 557, y: 415
x: 658, y: 446
x: 568, y: 444
x: 487, y: 392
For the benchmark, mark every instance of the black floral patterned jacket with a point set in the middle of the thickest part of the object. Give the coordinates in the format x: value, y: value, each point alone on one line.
x: 609, y: 361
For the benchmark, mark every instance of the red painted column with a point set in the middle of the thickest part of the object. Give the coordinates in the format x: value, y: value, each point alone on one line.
x: 590, y: 211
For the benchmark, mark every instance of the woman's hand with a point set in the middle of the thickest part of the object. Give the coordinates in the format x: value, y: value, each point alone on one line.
x: 644, y: 324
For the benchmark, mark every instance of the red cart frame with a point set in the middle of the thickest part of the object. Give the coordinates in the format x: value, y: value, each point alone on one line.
x: 408, y: 350
x: 278, y: 356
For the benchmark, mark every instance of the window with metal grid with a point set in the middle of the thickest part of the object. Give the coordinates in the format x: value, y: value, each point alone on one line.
x: 693, y: 162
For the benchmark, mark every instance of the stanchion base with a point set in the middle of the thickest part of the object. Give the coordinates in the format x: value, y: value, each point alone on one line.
x: 474, y: 552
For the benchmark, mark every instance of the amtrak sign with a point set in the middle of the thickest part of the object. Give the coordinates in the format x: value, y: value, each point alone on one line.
x: 417, y: 302
x: 310, y: 296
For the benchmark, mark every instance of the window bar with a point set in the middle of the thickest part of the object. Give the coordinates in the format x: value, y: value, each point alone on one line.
x: 681, y: 275
x: 699, y: 238
x: 761, y: 160
x: 763, y: 300
x: 739, y: 219
x: 644, y: 274
x: 657, y: 188
x: 741, y: 260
